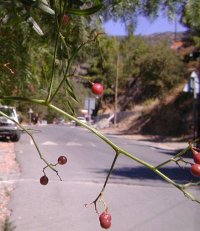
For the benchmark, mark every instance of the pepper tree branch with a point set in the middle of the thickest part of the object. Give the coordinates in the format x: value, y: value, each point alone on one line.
x: 117, y: 149
x: 70, y: 62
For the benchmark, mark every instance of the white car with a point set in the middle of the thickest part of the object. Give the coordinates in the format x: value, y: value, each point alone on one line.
x: 7, y: 127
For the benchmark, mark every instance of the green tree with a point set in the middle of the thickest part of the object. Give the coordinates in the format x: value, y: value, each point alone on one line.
x: 191, y: 19
x: 161, y: 69
x: 149, y: 70
x: 131, y: 50
x: 128, y: 11
x: 31, y: 65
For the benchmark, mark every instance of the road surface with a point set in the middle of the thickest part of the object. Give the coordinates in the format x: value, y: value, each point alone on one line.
x: 138, y: 199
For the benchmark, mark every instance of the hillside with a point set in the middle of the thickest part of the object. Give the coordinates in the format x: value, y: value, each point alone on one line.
x: 165, y: 36
x: 171, y: 116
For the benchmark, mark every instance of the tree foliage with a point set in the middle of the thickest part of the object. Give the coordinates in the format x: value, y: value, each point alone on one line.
x: 160, y: 70
x: 29, y: 29
x: 30, y: 36
x: 190, y: 18
x: 128, y: 11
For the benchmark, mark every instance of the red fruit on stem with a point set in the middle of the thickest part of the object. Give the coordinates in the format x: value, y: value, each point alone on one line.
x: 66, y: 19
x: 195, y: 170
x: 105, y: 215
x: 105, y: 220
x: 196, y: 158
x: 62, y: 160
x: 44, y: 180
x: 194, y: 151
x: 97, y: 88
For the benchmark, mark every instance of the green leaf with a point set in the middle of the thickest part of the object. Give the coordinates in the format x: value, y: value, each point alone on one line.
x: 35, y: 26
x: 70, y: 91
x: 45, y: 8
x: 85, y: 12
x: 71, y: 108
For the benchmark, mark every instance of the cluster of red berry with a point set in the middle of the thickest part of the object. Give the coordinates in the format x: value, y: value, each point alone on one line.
x: 61, y: 160
x: 105, y: 220
x: 195, y: 169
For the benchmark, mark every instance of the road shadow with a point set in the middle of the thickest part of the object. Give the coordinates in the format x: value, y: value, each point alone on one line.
x: 187, y: 154
x: 178, y: 174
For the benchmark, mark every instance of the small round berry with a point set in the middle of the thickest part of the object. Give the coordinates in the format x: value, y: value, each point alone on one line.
x: 62, y: 160
x: 105, y: 215
x: 97, y: 88
x: 105, y: 220
x: 63, y: 18
x: 44, y: 180
x: 196, y: 158
x: 66, y: 19
x: 195, y: 170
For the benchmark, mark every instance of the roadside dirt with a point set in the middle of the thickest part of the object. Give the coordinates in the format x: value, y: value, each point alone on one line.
x: 9, y: 170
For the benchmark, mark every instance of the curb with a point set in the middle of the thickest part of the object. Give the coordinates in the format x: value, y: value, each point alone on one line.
x: 148, y: 140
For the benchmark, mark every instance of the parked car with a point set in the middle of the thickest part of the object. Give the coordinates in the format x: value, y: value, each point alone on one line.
x: 7, y: 127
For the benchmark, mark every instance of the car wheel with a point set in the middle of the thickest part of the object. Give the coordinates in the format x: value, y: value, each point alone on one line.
x: 15, y: 137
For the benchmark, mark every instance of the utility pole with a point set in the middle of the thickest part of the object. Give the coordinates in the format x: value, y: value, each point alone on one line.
x: 116, y: 90
x: 175, y: 28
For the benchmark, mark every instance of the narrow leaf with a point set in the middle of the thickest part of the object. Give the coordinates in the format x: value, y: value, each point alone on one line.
x: 35, y: 26
x: 70, y: 91
x: 85, y: 12
x: 71, y: 108
x: 46, y: 8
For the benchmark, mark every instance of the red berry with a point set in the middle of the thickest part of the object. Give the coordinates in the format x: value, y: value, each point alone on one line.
x: 62, y: 160
x: 97, y: 88
x: 66, y: 19
x: 195, y: 170
x: 44, y: 180
x: 105, y: 220
x: 196, y: 158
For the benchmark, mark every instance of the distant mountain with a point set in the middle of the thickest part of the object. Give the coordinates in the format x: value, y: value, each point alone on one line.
x: 169, y: 37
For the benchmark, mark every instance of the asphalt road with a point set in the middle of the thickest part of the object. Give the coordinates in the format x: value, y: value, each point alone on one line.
x: 138, y: 199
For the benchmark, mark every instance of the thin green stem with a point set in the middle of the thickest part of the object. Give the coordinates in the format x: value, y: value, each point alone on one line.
x: 53, y: 70
x: 109, y: 142
x: 181, y: 153
x: 187, y: 185
x: 100, y: 196
x: 53, y: 64
x: 18, y: 98
x: 115, y: 147
x: 70, y: 117
x: 65, y: 76
x: 69, y: 64
x: 110, y: 171
x: 163, y: 176
x: 34, y: 142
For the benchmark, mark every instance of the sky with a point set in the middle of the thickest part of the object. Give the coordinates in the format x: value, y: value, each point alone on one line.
x: 144, y: 27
